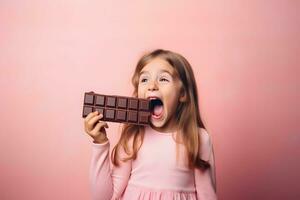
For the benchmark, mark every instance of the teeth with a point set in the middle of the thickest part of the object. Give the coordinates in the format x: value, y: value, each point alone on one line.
x: 151, y: 98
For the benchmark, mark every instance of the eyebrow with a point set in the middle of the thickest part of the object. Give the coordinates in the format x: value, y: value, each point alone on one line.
x: 162, y: 70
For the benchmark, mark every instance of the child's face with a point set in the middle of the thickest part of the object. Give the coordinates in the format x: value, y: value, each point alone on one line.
x: 158, y: 80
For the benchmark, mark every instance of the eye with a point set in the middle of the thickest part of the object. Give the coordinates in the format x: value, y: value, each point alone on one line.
x: 143, y: 80
x: 164, y: 80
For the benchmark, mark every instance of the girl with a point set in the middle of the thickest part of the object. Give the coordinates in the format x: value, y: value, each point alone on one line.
x: 172, y: 158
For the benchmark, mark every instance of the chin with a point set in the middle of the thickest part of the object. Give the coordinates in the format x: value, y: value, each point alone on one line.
x: 159, y: 123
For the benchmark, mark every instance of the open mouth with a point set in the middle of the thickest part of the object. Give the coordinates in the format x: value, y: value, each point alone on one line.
x: 157, y: 108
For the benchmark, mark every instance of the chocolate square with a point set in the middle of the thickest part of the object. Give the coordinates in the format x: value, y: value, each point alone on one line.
x: 100, y: 100
x: 144, y: 117
x: 121, y: 115
x: 111, y: 101
x: 132, y: 116
x: 100, y: 110
x: 122, y: 102
x: 87, y: 110
x: 133, y: 104
x: 144, y: 105
x: 109, y: 114
x: 89, y: 99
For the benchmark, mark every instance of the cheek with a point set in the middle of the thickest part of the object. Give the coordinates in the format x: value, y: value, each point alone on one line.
x: 170, y: 99
x: 173, y: 96
x: 140, y: 92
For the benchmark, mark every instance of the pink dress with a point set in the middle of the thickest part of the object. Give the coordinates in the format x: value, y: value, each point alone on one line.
x: 155, y: 174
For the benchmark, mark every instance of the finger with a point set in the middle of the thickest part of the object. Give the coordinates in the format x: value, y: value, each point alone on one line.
x: 106, y: 125
x: 95, y: 119
x: 103, y: 125
x: 91, y: 123
x: 98, y: 127
x: 90, y: 116
x: 95, y: 131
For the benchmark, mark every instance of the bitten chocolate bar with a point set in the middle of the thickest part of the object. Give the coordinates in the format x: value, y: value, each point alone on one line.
x: 118, y: 108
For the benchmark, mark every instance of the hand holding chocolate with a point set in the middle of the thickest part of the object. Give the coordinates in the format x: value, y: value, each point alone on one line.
x: 118, y: 108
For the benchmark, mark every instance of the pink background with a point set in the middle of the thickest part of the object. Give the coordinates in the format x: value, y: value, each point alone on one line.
x: 245, y: 55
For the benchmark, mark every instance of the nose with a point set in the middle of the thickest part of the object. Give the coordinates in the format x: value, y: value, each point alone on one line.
x: 152, y: 86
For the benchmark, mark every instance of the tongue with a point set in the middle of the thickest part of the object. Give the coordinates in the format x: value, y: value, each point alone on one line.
x: 158, y: 109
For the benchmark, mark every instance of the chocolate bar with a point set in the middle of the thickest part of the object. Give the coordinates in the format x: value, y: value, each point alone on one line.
x: 118, y: 108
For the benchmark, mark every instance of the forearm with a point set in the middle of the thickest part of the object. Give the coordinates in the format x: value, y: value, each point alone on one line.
x: 107, y: 183
x: 100, y: 173
x: 204, y: 185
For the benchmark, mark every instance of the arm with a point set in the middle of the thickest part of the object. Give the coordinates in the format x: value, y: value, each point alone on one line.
x: 107, y: 184
x: 206, y: 180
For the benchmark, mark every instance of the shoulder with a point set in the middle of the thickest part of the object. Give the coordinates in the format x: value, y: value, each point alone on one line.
x: 204, y: 136
x: 205, y: 143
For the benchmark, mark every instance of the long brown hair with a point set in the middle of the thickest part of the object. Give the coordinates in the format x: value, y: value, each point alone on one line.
x: 187, y: 113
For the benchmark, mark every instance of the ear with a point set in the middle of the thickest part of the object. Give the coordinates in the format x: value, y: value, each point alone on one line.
x: 183, y: 96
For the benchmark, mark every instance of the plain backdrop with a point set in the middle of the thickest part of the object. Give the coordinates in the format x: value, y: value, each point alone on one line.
x: 245, y: 55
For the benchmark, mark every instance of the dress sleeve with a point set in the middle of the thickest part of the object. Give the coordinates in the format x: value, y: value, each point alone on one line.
x: 106, y: 182
x: 206, y: 180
